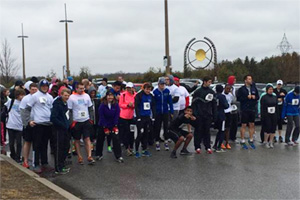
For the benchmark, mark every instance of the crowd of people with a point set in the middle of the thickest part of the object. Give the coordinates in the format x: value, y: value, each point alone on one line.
x: 68, y: 114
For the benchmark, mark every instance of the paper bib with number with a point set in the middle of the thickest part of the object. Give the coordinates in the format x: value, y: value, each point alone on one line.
x: 146, y: 106
x: 131, y: 128
x: 271, y: 110
x: 234, y: 107
x: 295, y: 102
x: 209, y: 97
x: 82, y: 114
x: 68, y: 115
x: 43, y: 100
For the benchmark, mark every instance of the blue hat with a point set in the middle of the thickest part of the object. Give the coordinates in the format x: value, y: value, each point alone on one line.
x: 70, y: 78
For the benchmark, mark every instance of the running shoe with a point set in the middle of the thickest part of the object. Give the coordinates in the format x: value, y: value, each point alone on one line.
x: 267, y: 145
x: 62, y: 172
x: 25, y: 164
x: 129, y: 152
x: 198, y: 151
x: 37, y: 169
x: 146, y: 153
x: 220, y: 150
x: 173, y: 154
x: 157, y: 146
x: 228, y: 146
x: 137, y: 154
x: 280, y: 139
x: 67, y: 168
x: 209, y: 151
x: 244, y: 146
x: 271, y: 145
x: 80, y: 160
x: 252, y: 145
x: 98, y: 158
x: 185, y: 152
x: 295, y: 142
x: 120, y: 160
x: 109, y: 149
x: 290, y: 144
x: 223, y: 146
x: 275, y: 140
x: 91, y: 160
x: 166, y: 146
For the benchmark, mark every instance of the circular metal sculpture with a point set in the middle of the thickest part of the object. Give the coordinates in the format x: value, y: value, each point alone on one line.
x: 199, y: 54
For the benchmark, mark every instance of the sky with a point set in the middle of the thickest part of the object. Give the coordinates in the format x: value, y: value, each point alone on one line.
x: 128, y: 35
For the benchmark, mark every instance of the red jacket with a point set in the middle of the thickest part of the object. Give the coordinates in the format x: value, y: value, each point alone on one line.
x: 126, y: 111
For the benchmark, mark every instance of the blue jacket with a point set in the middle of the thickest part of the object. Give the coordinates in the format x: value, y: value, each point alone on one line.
x: 109, y: 118
x: 59, y: 114
x: 242, y: 97
x: 144, y: 105
x: 288, y: 108
x: 163, y: 100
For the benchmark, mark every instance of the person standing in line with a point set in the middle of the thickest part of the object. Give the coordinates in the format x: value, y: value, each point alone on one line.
x: 228, y: 115
x: 175, y: 93
x: 234, y: 113
x: 103, y: 88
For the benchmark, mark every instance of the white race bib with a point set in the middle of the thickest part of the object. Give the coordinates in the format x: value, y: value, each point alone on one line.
x: 82, y: 114
x: 131, y: 128
x: 68, y: 115
x: 295, y: 102
x: 43, y: 100
x: 271, y: 110
x: 234, y: 107
x: 209, y: 97
x: 146, y: 106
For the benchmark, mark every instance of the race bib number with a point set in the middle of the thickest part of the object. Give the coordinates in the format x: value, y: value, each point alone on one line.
x: 68, y: 115
x: 271, y: 110
x: 43, y: 100
x: 234, y: 107
x: 146, y: 106
x: 295, y: 102
x: 131, y: 128
x: 209, y: 97
x: 82, y: 114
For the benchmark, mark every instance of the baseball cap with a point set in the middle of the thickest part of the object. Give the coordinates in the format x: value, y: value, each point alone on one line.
x: 70, y: 78
x: 129, y: 85
x: 279, y: 82
x: 162, y: 81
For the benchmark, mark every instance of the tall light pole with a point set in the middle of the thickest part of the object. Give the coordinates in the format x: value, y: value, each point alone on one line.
x: 23, y: 51
x: 167, y: 56
x: 66, y: 21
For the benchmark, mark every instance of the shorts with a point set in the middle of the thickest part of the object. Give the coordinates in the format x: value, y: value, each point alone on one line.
x: 82, y: 129
x: 176, y: 134
x: 248, y: 117
x: 27, y: 134
x: 228, y: 120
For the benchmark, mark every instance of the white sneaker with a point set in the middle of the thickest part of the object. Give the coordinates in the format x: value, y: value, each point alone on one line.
x: 267, y: 145
x: 271, y: 145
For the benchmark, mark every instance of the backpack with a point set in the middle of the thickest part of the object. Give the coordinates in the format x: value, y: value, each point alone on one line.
x: 5, y: 111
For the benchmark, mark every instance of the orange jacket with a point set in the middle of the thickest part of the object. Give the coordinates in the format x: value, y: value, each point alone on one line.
x: 127, y: 112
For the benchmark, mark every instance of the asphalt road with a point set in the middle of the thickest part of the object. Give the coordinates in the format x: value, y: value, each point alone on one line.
x: 237, y: 174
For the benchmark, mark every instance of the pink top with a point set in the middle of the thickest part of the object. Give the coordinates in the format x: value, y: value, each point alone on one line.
x: 127, y: 111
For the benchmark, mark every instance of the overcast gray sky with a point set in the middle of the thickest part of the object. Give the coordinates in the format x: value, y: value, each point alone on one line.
x: 118, y: 35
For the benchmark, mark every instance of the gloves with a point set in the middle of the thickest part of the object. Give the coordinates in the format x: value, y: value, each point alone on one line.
x: 115, y: 130
x: 106, y: 131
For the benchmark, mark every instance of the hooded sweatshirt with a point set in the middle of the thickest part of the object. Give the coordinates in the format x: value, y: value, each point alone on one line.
x: 291, y: 105
x: 126, y: 111
x: 60, y: 114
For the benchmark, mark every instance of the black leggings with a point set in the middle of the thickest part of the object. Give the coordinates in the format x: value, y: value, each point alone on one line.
x: 202, y: 132
x: 161, y: 119
x: 41, y: 135
x: 61, y: 146
x: 15, y: 137
x: 125, y: 133
x: 142, y: 133
x: 221, y: 134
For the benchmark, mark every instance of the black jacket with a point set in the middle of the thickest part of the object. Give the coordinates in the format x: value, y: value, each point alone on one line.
x: 242, y: 97
x: 278, y: 94
x: 268, y: 101
x: 203, y: 107
x: 59, y: 114
x: 222, y: 104
x: 178, y: 121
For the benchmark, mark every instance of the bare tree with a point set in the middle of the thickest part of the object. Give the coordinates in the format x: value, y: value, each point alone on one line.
x: 8, y: 68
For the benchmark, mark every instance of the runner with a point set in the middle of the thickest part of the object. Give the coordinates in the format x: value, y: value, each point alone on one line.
x: 163, y: 102
x: 234, y: 113
x: 222, y: 104
x: 126, y: 127
x: 280, y: 93
x: 178, y: 135
x: 269, y: 116
x: 291, y: 111
x: 4, y: 98
x: 175, y: 93
x: 81, y: 110
x: 103, y: 88
x: 144, y: 109
x: 109, y: 112
x: 205, y: 109
x: 228, y: 116
x: 40, y: 105
x: 247, y: 95
x: 14, y: 125
x: 27, y: 130
x: 60, y: 119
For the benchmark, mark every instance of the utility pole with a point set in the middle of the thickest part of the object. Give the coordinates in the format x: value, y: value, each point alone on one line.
x: 66, y: 21
x: 167, y: 56
x: 23, y: 51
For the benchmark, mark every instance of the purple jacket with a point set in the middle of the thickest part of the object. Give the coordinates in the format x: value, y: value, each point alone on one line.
x: 109, y: 118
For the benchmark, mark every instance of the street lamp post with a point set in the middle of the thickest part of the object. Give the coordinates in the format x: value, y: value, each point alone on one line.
x: 167, y: 56
x: 23, y: 51
x: 66, y: 21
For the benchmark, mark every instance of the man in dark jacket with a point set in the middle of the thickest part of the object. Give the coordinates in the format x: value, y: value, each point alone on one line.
x: 205, y: 109
x: 60, y: 119
x: 248, y: 96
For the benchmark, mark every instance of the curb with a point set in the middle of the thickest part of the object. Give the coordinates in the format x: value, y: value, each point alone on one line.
x: 43, y: 181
